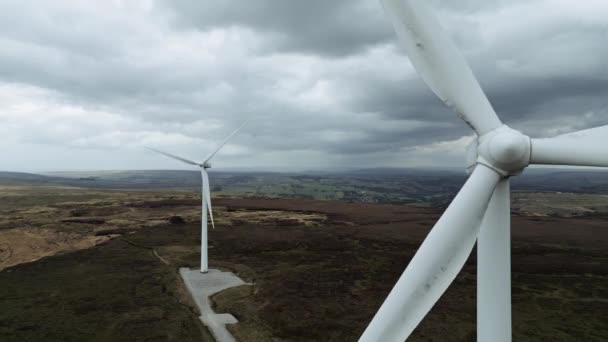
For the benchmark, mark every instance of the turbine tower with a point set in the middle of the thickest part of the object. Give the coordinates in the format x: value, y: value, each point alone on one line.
x: 205, y: 194
x: 481, y: 210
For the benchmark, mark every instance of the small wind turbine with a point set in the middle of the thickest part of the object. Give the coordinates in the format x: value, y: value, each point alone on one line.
x: 205, y: 194
x: 481, y: 210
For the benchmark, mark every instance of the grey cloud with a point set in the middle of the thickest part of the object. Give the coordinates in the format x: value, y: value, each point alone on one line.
x: 317, y: 78
x: 332, y: 28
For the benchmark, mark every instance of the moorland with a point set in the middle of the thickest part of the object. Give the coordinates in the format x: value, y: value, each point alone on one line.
x: 83, y: 262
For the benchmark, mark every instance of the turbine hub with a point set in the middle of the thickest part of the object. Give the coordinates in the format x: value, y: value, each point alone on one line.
x: 504, y: 149
x: 508, y: 148
x: 206, y: 165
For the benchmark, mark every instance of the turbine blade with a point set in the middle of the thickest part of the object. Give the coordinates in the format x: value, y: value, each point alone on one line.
x: 207, y: 194
x: 187, y: 161
x: 582, y: 148
x: 494, y: 268
x: 437, y: 262
x: 224, y: 142
x: 440, y: 64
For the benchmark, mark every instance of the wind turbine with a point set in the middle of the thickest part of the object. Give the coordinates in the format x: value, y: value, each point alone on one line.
x: 481, y: 210
x: 205, y: 194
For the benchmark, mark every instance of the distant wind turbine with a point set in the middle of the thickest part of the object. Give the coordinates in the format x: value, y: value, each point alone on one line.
x: 205, y: 194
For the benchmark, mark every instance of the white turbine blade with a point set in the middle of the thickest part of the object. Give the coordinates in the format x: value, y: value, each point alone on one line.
x: 494, y: 269
x: 440, y: 64
x: 207, y: 194
x: 224, y: 142
x: 437, y: 262
x: 582, y: 148
x: 187, y: 161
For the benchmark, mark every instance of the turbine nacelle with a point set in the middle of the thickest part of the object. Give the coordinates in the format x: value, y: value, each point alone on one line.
x: 206, y: 165
x: 505, y: 150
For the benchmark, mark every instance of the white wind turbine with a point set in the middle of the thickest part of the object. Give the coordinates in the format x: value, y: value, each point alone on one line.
x: 481, y: 210
x: 205, y: 194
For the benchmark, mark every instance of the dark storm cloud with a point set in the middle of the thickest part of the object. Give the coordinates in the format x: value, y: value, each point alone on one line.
x: 333, y: 28
x: 521, y: 98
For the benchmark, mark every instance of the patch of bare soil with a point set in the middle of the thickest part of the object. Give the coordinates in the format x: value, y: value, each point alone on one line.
x: 47, y: 225
x: 337, y: 212
x: 21, y: 245
x: 559, y: 204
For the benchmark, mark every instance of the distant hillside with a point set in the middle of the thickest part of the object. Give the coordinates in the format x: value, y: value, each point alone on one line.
x: 435, y: 186
x: 20, y: 178
x: 589, y: 181
x: 119, y: 179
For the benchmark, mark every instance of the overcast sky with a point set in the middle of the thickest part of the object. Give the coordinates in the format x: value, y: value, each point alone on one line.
x: 86, y: 85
